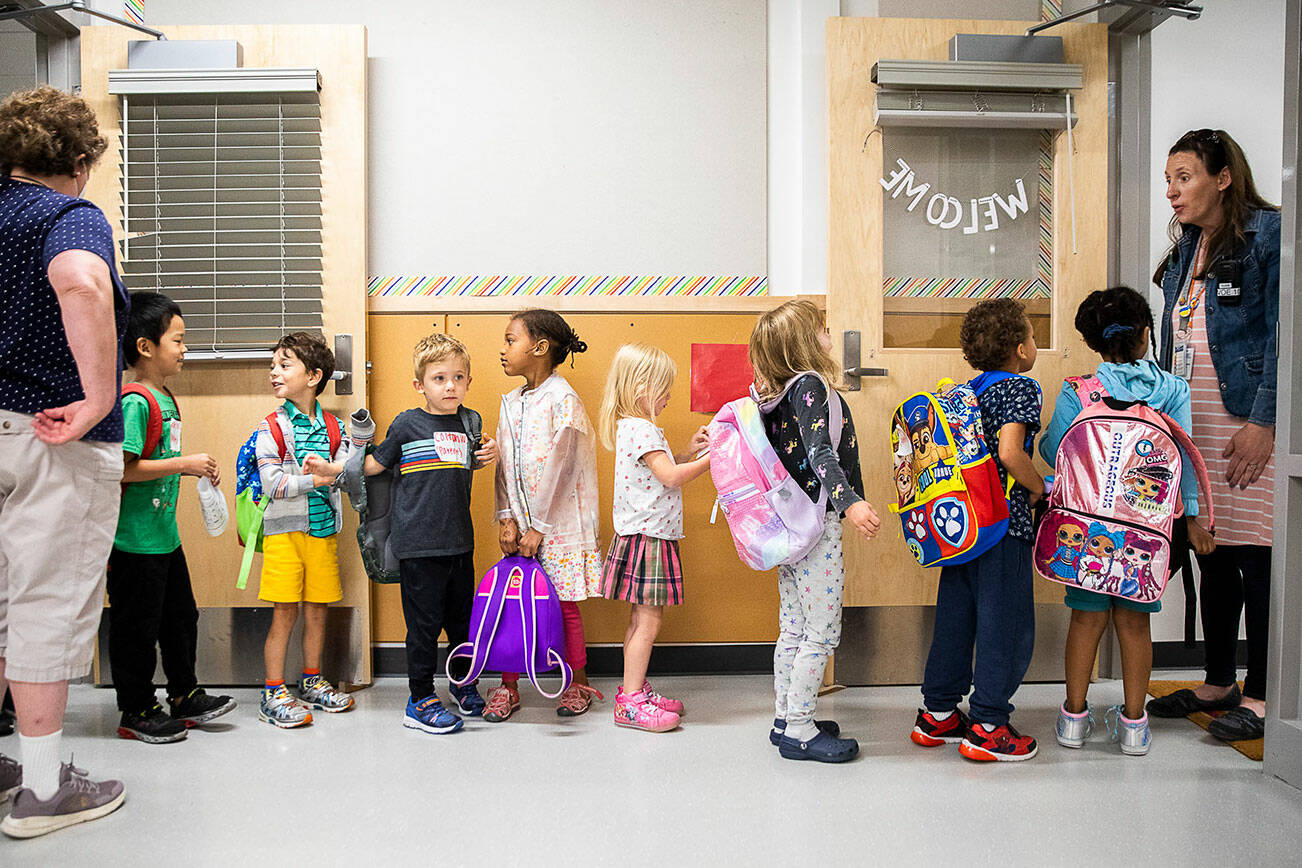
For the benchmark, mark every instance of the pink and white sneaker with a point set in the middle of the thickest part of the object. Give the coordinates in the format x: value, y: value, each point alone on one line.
x: 636, y: 711
x: 662, y: 701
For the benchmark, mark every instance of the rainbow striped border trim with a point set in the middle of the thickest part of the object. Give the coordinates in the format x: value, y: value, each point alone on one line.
x: 976, y: 288
x: 134, y: 10
x: 493, y: 285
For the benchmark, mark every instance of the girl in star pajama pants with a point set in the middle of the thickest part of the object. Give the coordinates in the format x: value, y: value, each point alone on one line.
x: 809, y: 617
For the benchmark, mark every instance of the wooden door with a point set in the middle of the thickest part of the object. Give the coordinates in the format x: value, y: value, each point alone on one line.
x: 882, y: 573
x: 222, y: 401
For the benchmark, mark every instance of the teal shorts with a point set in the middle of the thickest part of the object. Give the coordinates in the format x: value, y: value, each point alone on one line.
x: 1092, y: 601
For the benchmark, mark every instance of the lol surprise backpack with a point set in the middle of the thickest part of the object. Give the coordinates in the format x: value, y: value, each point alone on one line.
x: 949, y: 498
x: 1116, y: 492
x: 515, y: 625
x: 772, y: 520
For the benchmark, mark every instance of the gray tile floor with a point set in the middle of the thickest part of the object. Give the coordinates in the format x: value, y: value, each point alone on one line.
x: 358, y: 789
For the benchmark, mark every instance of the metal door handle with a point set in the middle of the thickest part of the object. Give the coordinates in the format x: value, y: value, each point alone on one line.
x: 850, y: 341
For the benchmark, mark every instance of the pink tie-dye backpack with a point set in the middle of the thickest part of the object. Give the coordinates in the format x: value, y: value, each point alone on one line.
x: 1116, y: 492
x: 772, y: 520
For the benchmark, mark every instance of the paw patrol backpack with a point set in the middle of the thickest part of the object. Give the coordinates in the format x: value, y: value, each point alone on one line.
x: 1116, y: 492
x: 950, y: 500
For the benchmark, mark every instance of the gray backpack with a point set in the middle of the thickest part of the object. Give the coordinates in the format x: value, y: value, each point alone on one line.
x: 372, y: 497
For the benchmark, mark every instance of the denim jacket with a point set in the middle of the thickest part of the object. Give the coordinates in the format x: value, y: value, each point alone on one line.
x: 1243, y: 338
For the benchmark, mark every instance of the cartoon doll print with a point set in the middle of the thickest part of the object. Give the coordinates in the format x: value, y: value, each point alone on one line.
x: 1066, y: 558
x: 1146, y: 488
x: 1100, y: 552
x: 1137, y: 581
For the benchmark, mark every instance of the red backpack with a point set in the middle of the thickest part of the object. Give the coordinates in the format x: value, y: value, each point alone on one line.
x: 154, y: 425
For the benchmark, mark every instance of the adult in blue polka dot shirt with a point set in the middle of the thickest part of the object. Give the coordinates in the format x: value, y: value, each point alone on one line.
x: 62, y: 315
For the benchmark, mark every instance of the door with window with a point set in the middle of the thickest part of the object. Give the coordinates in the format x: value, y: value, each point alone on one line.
x: 941, y: 195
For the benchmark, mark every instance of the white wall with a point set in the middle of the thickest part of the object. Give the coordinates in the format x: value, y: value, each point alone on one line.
x: 1225, y: 71
x: 525, y: 137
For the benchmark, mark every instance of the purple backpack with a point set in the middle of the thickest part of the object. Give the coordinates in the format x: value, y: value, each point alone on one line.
x: 515, y: 625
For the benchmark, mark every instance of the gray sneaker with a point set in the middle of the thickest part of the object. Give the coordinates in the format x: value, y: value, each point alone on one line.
x: 1073, y: 729
x: 316, y: 692
x: 77, y: 800
x: 11, y: 777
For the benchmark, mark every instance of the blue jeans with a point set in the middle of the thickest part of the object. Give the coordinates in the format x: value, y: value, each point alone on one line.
x: 986, y: 604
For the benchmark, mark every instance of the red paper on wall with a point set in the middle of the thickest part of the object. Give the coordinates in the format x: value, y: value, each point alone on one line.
x: 720, y: 373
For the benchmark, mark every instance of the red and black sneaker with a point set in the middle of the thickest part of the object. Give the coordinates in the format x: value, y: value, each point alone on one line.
x: 1003, y: 743
x: 930, y: 732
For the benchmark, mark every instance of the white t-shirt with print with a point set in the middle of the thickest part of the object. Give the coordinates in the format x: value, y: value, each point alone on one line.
x: 642, y: 504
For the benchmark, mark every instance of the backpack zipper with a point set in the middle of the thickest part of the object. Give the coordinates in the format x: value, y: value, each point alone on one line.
x: 1102, y: 519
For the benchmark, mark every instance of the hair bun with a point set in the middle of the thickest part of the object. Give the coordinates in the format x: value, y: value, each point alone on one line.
x: 577, y: 346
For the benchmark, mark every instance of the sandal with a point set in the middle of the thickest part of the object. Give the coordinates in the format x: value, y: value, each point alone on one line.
x: 1185, y: 702
x: 577, y: 699
x: 1238, y: 724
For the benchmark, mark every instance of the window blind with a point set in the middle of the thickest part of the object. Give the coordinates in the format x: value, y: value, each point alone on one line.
x: 221, y: 206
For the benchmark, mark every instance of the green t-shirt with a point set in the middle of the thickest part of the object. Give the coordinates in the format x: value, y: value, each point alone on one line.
x: 147, y: 521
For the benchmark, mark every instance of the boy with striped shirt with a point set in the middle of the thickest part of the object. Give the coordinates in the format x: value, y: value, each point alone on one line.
x: 432, y: 452
x: 301, y: 525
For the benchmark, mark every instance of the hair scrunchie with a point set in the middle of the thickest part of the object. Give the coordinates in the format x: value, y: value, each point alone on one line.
x: 1115, y: 329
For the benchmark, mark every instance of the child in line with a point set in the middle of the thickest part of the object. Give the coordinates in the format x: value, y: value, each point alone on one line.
x: 546, y: 487
x: 432, y: 536
x: 643, y: 565
x: 1118, y: 325
x: 788, y: 342
x: 988, y: 602
x: 300, y: 561
x: 151, y: 600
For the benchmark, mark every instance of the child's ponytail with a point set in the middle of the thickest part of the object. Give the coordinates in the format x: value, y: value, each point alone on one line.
x: 562, y: 340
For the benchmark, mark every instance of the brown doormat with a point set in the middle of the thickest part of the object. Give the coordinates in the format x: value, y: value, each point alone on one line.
x: 1251, y: 748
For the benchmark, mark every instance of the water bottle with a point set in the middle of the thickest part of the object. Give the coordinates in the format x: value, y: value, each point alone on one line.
x: 213, y: 506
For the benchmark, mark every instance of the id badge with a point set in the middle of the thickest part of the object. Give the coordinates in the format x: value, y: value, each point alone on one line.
x: 174, y: 435
x: 1182, y: 359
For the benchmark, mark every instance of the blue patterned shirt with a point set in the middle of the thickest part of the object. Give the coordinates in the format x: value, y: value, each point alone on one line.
x: 1016, y: 399
x: 311, y: 436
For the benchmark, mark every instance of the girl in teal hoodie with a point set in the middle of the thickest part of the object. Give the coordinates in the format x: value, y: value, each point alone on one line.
x: 1117, y: 324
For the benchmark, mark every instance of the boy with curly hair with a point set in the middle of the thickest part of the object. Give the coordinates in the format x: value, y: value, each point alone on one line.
x: 987, y: 604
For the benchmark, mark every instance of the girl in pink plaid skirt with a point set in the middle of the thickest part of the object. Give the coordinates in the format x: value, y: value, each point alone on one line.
x: 643, y: 566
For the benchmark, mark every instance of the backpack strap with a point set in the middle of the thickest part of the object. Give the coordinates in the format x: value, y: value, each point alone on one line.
x: 835, y: 422
x: 154, y: 425
x: 529, y: 618
x: 985, y: 380
x: 1089, y: 390
x: 478, y: 646
x: 273, y: 425
x: 1185, y: 442
x: 333, y: 432
x: 474, y: 425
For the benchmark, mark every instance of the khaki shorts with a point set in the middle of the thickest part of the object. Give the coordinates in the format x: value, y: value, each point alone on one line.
x: 300, y: 568
x: 58, y: 514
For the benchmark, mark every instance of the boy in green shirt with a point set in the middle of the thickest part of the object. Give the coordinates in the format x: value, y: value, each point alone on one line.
x: 148, y: 582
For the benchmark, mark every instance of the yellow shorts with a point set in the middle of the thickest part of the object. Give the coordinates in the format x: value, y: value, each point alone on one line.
x: 298, y: 567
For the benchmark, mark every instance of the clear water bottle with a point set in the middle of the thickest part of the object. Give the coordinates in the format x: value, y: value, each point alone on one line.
x: 213, y: 506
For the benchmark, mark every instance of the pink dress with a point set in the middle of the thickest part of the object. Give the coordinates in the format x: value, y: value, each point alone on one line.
x: 1243, y: 516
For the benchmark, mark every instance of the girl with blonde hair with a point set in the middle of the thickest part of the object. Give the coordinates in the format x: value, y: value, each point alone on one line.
x: 643, y: 565
x: 795, y: 378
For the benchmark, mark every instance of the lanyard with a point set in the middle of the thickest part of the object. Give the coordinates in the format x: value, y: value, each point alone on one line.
x: 1190, y: 301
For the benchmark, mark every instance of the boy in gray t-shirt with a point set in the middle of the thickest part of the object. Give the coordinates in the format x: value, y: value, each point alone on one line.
x: 429, y: 452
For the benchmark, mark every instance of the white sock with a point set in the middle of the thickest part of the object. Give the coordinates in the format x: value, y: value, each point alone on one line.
x: 801, y: 732
x: 40, y: 755
x: 941, y: 715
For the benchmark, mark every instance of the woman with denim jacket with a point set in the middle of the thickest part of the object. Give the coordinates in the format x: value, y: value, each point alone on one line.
x: 1220, y: 283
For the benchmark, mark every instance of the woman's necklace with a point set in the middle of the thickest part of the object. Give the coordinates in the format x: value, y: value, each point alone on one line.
x: 27, y: 180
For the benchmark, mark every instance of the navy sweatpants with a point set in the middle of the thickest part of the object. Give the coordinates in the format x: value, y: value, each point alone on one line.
x: 985, y: 605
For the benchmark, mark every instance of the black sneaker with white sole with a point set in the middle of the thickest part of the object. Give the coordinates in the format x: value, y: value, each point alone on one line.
x: 197, y: 707
x: 152, y: 726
